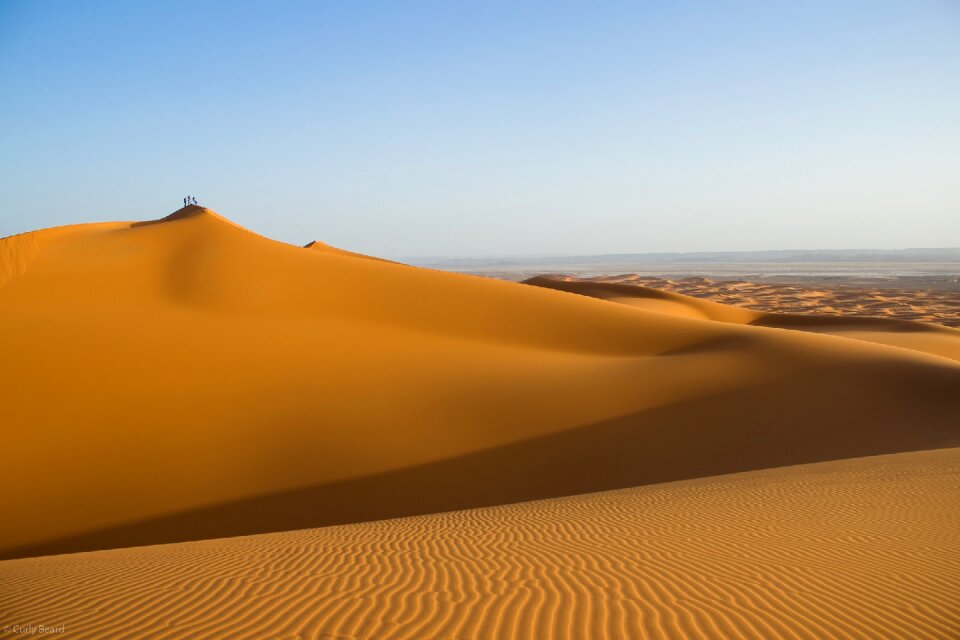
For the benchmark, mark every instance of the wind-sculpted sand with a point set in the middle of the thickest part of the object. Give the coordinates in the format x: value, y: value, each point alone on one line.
x: 861, y: 548
x: 186, y: 378
x: 925, y: 305
x: 698, y: 301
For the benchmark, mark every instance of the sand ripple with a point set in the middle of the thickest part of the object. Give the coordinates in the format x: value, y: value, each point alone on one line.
x: 864, y: 548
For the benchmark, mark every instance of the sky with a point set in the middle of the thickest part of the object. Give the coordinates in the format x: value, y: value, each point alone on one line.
x: 412, y: 129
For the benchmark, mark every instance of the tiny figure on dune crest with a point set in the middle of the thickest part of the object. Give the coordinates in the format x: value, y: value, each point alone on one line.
x: 190, y: 200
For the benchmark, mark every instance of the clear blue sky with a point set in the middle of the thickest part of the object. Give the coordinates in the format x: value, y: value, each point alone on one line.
x: 489, y: 128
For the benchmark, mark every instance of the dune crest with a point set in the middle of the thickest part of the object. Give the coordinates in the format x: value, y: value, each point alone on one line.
x: 909, y: 334
x: 204, y: 381
x: 191, y: 211
x: 16, y: 252
x: 323, y: 247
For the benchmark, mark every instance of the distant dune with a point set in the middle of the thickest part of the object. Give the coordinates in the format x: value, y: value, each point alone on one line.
x: 186, y: 378
x: 857, y: 324
x: 824, y: 296
x: 861, y: 548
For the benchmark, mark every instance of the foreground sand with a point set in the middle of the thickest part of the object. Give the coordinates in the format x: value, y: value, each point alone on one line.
x: 863, y: 548
x: 186, y: 378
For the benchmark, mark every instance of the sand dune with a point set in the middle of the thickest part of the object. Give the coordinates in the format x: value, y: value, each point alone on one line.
x: 920, y: 336
x: 939, y: 306
x: 863, y: 548
x: 186, y: 378
x: 316, y: 245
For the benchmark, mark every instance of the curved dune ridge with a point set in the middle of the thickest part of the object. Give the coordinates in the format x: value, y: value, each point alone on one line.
x: 862, y: 548
x: 919, y: 336
x: 316, y: 245
x: 186, y: 378
x: 936, y: 305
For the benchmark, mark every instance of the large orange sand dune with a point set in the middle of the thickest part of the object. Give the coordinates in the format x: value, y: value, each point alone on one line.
x: 863, y: 548
x: 187, y: 378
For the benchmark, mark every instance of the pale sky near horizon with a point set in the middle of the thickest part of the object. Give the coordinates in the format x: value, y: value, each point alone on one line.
x: 491, y: 128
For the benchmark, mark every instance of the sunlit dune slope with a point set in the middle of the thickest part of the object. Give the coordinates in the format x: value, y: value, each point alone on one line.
x: 919, y: 336
x: 186, y: 378
x: 316, y: 245
x: 860, y: 548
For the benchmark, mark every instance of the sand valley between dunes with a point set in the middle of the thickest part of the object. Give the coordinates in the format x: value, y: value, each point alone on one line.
x: 209, y: 433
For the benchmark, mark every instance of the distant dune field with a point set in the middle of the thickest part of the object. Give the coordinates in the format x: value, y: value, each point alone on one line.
x: 932, y: 305
x: 879, y: 317
x: 861, y: 548
x: 187, y: 379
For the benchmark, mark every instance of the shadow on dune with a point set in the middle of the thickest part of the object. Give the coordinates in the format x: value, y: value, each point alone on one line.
x: 761, y: 427
x: 823, y: 322
x: 820, y: 322
x: 601, y: 290
x: 183, y: 212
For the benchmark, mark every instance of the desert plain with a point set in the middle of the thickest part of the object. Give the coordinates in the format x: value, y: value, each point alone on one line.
x: 211, y: 434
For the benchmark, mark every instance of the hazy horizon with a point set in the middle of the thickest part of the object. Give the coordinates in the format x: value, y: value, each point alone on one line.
x: 522, y: 256
x: 428, y: 130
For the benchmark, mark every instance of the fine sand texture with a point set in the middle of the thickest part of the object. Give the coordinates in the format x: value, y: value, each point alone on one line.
x: 860, y: 548
x: 186, y: 378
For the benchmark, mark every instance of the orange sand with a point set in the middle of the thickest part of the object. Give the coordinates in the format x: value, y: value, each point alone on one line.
x: 316, y: 245
x: 187, y: 378
x: 861, y: 548
x: 932, y: 305
x: 920, y: 336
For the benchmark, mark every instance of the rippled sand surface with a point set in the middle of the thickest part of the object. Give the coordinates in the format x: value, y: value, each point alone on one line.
x: 421, y: 454
x: 860, y: 548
